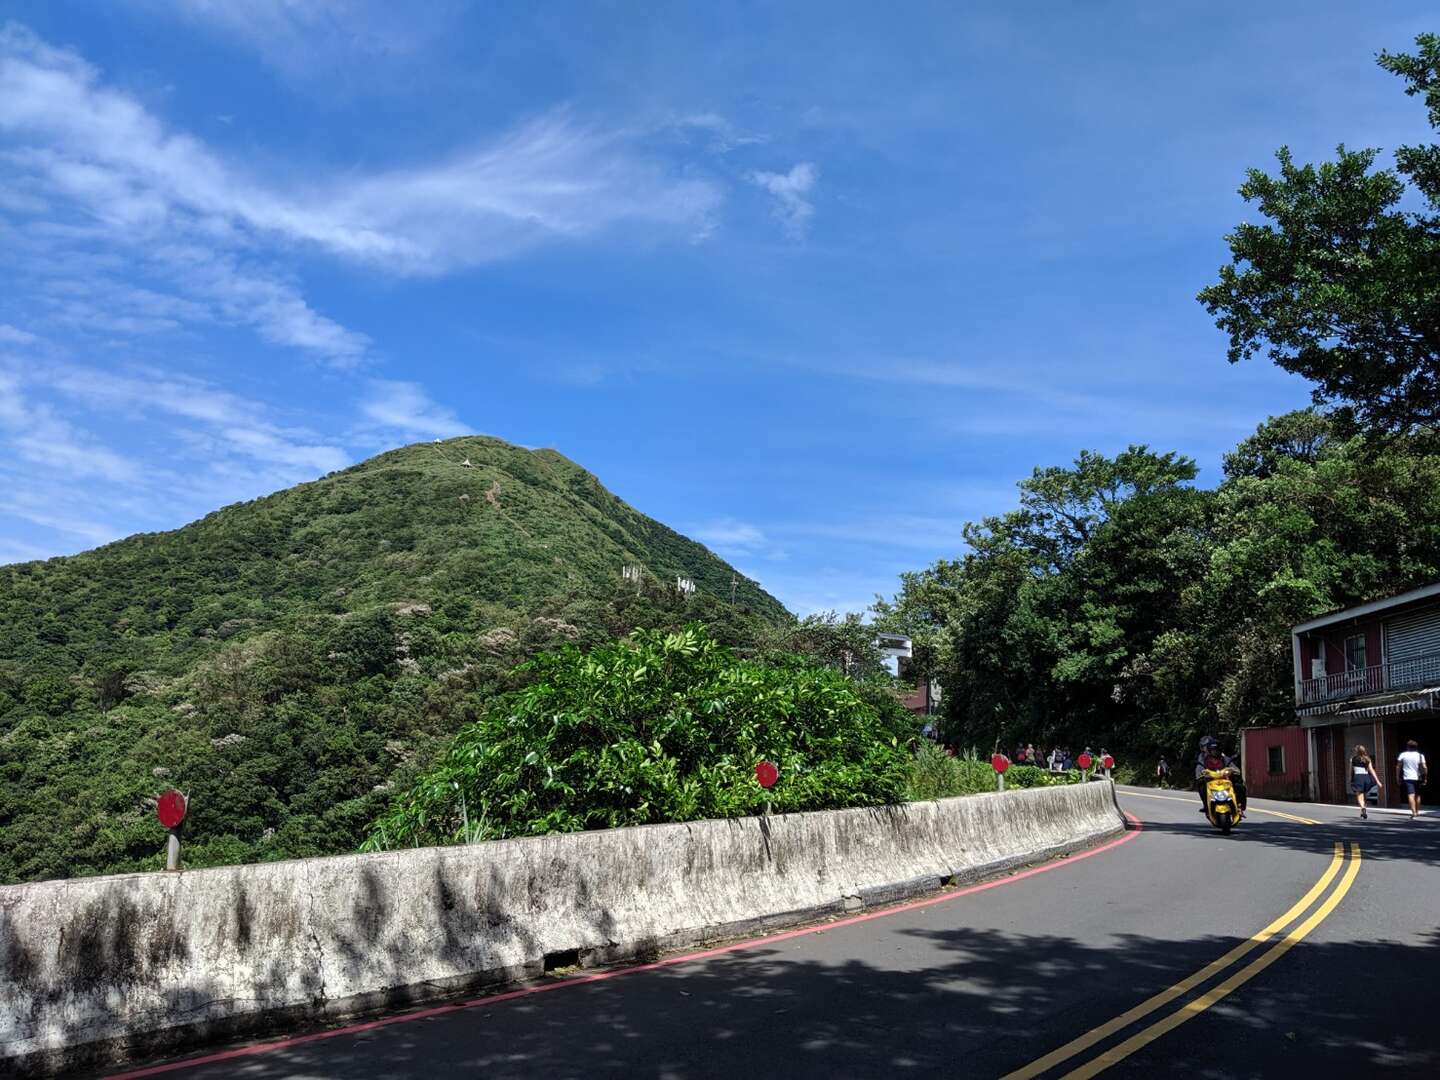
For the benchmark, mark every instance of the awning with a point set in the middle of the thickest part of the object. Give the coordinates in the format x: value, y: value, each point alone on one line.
x: 1321, y: 715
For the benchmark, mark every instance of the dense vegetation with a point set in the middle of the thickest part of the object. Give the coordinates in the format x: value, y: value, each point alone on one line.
x: 1121, y: 604
x: 653, y: 728
x: 286, y: 661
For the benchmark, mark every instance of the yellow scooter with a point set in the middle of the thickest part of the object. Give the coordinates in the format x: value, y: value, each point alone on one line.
x: 1221, y: 806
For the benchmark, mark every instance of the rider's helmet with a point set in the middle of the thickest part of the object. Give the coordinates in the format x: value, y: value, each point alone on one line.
x: 1209, y: 742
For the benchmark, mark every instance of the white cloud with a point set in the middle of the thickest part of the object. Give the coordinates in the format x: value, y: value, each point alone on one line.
x: 737, y: 540
x: 335, y: 45
x: 550, y: 179
x: 15, y: 336
x: 405, y: 408
x: 731, y: 534
x: 266, y: 444
x: 790, y: 190
x: 41, y: 436
x: 724, y: 135
x: 234, y: 425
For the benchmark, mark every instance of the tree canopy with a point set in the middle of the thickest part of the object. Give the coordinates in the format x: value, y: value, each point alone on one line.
x: 1341, y: 281
x: 1169, y: 613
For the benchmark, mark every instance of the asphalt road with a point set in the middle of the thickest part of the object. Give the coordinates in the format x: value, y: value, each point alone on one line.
x: 989, y: 982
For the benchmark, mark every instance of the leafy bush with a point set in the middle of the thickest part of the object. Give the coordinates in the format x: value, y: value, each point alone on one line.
x: 655, y: 727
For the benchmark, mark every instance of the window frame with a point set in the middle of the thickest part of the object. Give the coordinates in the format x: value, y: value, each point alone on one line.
x: 1364, y: 652
x: 1270, y: 755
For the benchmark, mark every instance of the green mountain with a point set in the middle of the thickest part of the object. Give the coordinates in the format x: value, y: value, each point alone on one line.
x: 285, y: 662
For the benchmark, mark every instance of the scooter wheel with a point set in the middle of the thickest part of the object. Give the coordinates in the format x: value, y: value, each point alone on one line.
x: 1226, y: 825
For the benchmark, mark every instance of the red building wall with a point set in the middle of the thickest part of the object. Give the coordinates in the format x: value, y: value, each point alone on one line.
x: 1293, y: 780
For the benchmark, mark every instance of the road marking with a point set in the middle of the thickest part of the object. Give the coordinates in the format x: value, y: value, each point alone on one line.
x: 1248, y: 810
x: 1184, y: 986
x: 1133, y: 829
x: 1224, y: 989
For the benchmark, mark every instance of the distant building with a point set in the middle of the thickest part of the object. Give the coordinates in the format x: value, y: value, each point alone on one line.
x: 1366, y: 674
x: 925, y: 698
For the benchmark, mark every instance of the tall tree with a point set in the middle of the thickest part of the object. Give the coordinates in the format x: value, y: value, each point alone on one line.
x: 1341, y: 284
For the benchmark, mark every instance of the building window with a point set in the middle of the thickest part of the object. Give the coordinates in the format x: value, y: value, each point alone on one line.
x: 1355, y: 652
x: 1276, y: 762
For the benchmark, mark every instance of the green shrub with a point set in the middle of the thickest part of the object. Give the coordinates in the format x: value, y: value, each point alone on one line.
x: 652, y: 728
x: 935, y: 774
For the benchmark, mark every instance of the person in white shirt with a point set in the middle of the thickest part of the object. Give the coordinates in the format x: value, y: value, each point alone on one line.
x: 1413, y: 772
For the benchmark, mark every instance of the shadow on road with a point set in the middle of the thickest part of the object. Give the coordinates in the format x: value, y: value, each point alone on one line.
x: 963, y: 1001
x: 1381, y: 837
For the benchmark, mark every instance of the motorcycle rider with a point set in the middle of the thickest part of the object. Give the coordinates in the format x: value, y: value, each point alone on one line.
x: 1211, y: 758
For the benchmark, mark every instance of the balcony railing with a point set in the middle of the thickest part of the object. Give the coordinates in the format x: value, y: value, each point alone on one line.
x: 1413, y: 674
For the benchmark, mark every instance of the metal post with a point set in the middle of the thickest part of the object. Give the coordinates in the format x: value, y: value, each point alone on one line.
x: 172, y: 852
x: 1000, y: 779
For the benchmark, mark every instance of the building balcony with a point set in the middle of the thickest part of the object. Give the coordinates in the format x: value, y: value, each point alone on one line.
x: 1417, y: 673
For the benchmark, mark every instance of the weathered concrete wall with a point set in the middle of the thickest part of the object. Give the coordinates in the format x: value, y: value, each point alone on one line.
x: 100, y: 967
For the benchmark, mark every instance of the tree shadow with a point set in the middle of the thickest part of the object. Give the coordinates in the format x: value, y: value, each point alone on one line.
x: 916, y: 1000
x: 1382, y: 837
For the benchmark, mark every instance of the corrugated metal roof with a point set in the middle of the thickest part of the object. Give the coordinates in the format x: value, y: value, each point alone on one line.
x: 1359, y: 610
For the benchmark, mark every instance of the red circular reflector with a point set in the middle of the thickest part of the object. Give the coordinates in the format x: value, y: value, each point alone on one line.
x: 1084, y: 761
x: 766, y: 773
x: 1000, y: 763
x: 170, y: 809
x: 1108, y: 761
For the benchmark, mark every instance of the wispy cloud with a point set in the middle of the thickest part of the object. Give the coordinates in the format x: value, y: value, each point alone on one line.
x: 791, y: 196
x: 724, y: 135
x: 328, y: 44
x: 549, y: 179
x: 205, y: 446
x: 38, y: 434
x: 738, y: 540
x: 405, y: 408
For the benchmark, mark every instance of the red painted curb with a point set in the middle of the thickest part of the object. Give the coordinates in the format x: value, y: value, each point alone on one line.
x: 603, y: 976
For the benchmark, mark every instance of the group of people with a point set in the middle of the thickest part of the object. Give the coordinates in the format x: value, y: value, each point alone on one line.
x: 1058, y: 760
x: 1411, y: 770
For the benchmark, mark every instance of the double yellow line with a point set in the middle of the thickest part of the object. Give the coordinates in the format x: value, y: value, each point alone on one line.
x: 1216, y: 993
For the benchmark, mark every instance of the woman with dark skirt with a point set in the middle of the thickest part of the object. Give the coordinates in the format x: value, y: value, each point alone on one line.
x: 1363, y: 777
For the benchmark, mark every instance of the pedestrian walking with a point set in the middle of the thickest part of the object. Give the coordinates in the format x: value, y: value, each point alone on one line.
x: 1414, y: 773
x: 1363, y: 777
x: 1162, y: 772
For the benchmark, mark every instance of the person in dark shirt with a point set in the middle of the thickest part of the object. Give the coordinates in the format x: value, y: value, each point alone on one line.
x: 1363, y: 777
x: 1210, y: 758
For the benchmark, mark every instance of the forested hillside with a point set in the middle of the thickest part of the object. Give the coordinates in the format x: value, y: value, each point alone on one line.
x: 287, y: 661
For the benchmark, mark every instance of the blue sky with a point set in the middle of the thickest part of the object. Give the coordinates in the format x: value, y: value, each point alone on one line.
x: 813, y: 283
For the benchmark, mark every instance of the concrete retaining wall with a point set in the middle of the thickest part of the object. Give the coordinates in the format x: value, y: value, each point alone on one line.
x: 98, y: 968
